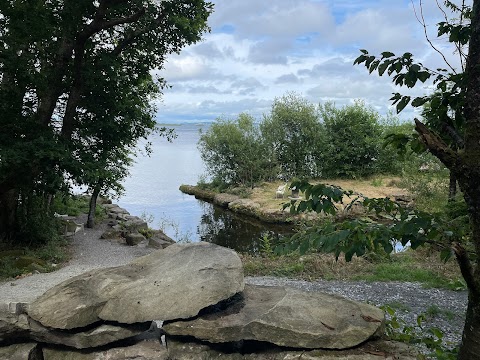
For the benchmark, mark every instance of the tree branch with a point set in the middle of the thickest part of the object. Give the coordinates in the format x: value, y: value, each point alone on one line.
x: 128, y: 39
x: 77, y: 89
x: 465, y: 267
x: 436, y: 145
x: 422, y: 22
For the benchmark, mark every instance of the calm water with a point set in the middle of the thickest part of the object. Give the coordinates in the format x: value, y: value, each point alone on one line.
x: 152, y: 189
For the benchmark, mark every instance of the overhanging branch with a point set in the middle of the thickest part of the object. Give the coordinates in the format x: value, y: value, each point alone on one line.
x: 436, y: 145
x: 465, y: 267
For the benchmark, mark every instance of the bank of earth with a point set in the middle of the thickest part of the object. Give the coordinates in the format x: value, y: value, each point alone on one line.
x: 262, y: 202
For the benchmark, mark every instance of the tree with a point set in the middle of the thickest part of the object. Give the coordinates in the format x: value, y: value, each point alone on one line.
x: 294, y: 136
x: 457, y: 91
x: 55, y: 57
x: 233, y: 151
x: 354, y: 140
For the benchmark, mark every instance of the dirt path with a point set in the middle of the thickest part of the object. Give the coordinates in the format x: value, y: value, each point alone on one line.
x: 89, y: 252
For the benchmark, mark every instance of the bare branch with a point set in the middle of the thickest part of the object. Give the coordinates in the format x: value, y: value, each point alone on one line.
x: 428, y: 38
x: 443, y: 11
x: 461, y: 54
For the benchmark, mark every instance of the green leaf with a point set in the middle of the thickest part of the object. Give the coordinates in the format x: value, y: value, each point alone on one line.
x: 446, y: 254
x: 423, y: 76
x: 419, y: 101
x: 404, y: 102
x: 387, y: 54
x: 388, y: 247
x: 383, y: 67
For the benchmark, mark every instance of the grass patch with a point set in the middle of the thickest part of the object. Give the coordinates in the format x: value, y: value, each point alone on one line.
x: 26, y: 260
x: 434, y: 311
x: 395, y: 271
x: 398, y: 306
x: 76, y: 205
x: 423, y: 266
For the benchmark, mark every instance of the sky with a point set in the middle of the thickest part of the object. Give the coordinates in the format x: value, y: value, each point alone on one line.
x: 259, y: 50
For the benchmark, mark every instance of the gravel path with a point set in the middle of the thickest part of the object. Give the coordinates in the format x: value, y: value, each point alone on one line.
x: 89, y: 252
x: 446, y: 308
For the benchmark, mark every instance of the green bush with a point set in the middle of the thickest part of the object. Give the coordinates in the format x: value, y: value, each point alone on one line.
x: 234, y: 152
x: 294, y: 137
x: 354, y: 139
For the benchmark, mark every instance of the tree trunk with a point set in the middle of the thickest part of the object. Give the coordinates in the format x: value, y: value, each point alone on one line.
x: 452, y: 188
x: 470, y: 348
x: 8, y: 211
x: 93, y: 206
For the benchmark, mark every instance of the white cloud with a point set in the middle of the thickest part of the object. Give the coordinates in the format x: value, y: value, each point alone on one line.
x: 259, y: 50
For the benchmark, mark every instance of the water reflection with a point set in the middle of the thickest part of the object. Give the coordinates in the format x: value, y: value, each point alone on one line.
x: 232, y: 230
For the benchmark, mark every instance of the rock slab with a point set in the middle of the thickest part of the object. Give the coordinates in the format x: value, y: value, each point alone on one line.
x: 146, y: 350
x: 27, y: 351
x: 172, y: 283
x: 287, y: 317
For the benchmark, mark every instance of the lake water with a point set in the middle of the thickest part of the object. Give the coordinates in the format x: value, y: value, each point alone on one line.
x: 152, y: 190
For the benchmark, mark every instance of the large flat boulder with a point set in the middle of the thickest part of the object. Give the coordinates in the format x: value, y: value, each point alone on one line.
x: 374, y: 350
x: 28, y: 351
x: 145, y: 350
x: 13, y: 321
x: 287, y: 317
x: 172, y: 283
x: 104, y: 334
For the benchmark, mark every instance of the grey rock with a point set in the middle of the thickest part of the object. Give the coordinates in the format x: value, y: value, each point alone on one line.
x: 160, y: 235
x: 224, y: 199
x: 145, y: 350
x: 118, y: 210
x: 133, y: 239
x: 135, y: 225
x: 287, y: 317
x: 112, y: 223
x: 102, y: 335
x: 173, y: 283
x: 374, y: 350
x: 110, y: 206
x: 13, y: 322
x: 117, y: 227
x: 158, y: 244
x: 28, y: 351
x: 16, y: 325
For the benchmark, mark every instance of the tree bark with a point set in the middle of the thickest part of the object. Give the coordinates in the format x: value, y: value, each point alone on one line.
x: 93, y: 205
x: 452, y: 187
x: 468, y: 172
x: 470, y: 348
x: 8, y: 210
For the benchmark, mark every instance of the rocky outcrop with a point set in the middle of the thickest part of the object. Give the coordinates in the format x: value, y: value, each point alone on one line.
x: 224, y: 200
x: 236, y: 204
x: 287, y: 317
x: 198, y: 290
x: 133, y: 239
x: 131, y: 229
x: 173, y: 283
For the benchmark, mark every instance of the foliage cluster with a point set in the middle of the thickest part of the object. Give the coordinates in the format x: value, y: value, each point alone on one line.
x: 76, y: 92
x: 300, y: 139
